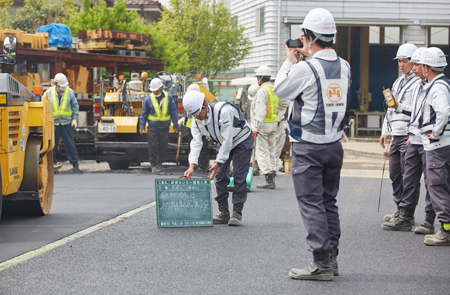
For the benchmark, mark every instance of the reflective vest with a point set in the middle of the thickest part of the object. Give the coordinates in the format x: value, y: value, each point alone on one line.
x: 158, y: 116
x: 272, y: 105
x: 62, y: 109
x: 189, y: 123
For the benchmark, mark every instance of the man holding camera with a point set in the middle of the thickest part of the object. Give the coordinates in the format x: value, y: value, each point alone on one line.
x: 318, y: 91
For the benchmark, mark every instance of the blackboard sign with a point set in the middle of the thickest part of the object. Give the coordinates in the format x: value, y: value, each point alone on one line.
x: 183, y: 202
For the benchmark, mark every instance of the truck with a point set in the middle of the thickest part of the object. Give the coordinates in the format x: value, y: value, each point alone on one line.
x: 26, y: 143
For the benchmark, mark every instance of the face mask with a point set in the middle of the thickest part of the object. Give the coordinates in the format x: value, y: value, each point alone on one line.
x: 158, y: 95
x: 62, y: 89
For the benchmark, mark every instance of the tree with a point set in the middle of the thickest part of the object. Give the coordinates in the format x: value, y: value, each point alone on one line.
x: 214, y: 44
x: 102, y: 17
x: 37, y: 13
x: 5, y: 17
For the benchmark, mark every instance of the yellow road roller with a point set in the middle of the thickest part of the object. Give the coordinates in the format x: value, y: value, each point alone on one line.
x: 26, y: 148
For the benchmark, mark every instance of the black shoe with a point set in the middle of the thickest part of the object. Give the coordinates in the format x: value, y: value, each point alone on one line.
x: 224, y: 216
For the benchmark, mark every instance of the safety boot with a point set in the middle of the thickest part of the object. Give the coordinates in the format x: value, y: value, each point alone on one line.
x: 224, y: 214
x: 333, y: 258
x: 401, y: 223
x: 269, y: 183
x: 236, y: 218
x: 441, y: 238
x: 388, y: 217
x: 319, y: 270
x: 76, y: 165
x: 427, y: 226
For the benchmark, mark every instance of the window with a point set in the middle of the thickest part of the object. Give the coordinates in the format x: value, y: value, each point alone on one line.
x: 439, y: 36
x: 374, y: 35
x: 234, y: 22
x: 384, y: 35
x: 259, y: 25
x: 392, y: 35
x: 295, y: 31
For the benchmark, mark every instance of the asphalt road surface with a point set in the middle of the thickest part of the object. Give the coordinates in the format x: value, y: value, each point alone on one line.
x: 133, y: 256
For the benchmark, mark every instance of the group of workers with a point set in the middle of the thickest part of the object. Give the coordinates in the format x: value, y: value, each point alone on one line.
x: 315, y: 82
x: 419, y: 125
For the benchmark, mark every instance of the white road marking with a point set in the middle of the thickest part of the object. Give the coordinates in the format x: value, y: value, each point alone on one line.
x: 75, y: 236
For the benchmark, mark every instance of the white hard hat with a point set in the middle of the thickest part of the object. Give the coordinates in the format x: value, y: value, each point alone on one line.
x: 156, y: 84
x: 193, y: 102
x: 252, y: 91
x: 263, y: 71
x: 193, y: 87
x: 406, y: 51
x: 415, y: 58
x: 320, y: 21
x: 61, y: 80
x: 433, y: 57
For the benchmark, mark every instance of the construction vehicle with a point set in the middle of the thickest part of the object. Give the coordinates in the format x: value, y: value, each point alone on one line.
x: 115, y: 136
x: 26, y: 145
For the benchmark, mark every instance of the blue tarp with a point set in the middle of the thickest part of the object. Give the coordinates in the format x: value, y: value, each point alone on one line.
x: 58, y: 35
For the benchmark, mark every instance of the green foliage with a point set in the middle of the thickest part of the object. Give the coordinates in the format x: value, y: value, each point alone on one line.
x: 5, y: 17
x: 213, y: 43
x: 37, y: 13
x: 102, y: 17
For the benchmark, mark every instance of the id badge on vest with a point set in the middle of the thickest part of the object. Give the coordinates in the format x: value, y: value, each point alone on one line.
x: 334, y: 94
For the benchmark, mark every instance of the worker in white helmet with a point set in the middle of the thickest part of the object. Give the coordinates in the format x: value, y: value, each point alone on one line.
x: 203, y: 160
x: 415, y: 163
x: 158, y: 109
x: 435, y: 129
x: 396, y: 123
x: 265, y: 124
x: 65, y: 112
x: 318, y: 91
x: 224, y: 124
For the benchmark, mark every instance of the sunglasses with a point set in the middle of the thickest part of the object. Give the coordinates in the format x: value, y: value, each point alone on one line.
x: 197, y: 112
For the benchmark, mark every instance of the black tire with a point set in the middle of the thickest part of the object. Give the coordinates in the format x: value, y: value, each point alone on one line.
x: 119, y: 165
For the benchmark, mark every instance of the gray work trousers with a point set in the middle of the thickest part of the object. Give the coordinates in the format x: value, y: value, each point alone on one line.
x: 438, y: 181
x: 241, y: 156
x: 397, y: 165
x: 316, y: 172
x: 415, y: 164
x: 157, y: 145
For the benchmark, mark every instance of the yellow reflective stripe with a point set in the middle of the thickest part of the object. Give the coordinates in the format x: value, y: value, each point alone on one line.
x: 189, y: 123
x: 447, y: 226
x: 272, y: 105
x: 60, y: 110
x: 157, y: 116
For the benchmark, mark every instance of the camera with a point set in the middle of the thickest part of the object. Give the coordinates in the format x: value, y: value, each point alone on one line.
x: 294, y: 43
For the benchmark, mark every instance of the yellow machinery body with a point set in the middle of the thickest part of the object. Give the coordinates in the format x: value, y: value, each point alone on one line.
x: 25, y: 123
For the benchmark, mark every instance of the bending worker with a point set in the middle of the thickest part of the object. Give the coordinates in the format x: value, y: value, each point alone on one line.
x: 224, y: 124
x: 65, y: 113
x: 318, y: 90
x: 265, y: 123
x: 158, y: 109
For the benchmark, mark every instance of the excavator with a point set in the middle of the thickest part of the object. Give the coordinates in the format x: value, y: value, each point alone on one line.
x: 26, y: 143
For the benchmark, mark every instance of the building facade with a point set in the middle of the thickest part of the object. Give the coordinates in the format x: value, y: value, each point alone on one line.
x: 368, y: 36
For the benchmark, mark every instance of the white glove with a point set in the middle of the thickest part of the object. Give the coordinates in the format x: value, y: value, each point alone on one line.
x: 181, y: 121
x: 74, y: 124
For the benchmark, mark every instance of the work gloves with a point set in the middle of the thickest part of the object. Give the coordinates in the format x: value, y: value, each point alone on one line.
x: 74, y: 124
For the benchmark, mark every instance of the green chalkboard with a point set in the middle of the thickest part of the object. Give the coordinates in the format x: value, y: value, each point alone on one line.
x: 183, y: 202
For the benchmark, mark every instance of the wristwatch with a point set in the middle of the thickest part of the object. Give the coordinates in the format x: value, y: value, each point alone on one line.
x: 219, y: 164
